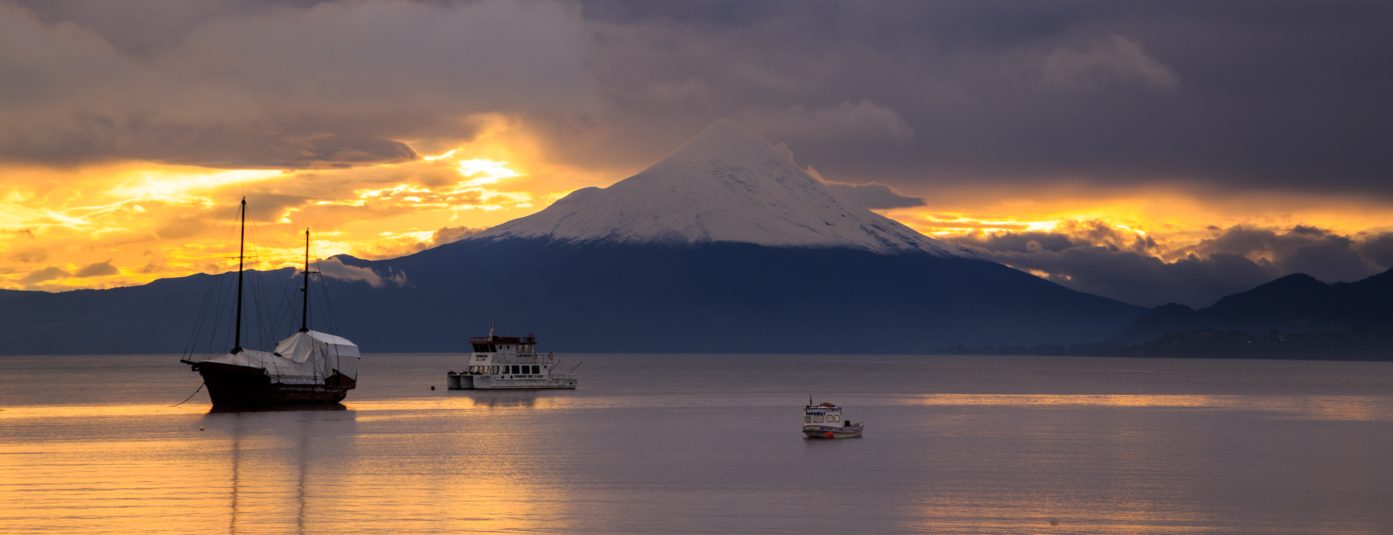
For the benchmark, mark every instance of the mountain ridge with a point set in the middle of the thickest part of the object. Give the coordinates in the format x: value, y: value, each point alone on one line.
x: 1296, y: 303
x: 725, y: 245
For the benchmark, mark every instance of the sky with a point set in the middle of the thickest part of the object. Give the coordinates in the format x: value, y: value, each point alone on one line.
x: 1150, y: 152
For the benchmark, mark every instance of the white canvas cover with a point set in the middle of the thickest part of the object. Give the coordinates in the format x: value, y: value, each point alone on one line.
x: 303, y: 357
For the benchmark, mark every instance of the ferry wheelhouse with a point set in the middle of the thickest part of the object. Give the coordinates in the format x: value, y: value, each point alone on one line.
x: 824, y: 420
x: 509, y: 363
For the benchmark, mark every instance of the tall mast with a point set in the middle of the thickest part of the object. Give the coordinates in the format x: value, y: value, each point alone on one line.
x: 305, y: 308
x: 241, y: 252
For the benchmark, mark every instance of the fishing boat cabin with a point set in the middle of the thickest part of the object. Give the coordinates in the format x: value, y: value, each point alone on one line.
x: 824, y: 420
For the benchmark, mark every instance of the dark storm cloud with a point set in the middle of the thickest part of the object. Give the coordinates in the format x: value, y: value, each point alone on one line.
x: 1378, y: 249
x: 1252, y: 94
x: 250, y: 84
x: 1095, y: 258
x: 1280, y: 95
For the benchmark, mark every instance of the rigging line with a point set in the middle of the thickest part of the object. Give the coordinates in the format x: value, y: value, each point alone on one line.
x: 257, y: 297
x: 195, y: 393
x: 332, y: 318
x: 210, y: 303
x: 285, y: 308
x: 320, y: 301
x: 259, y: 289
x: 219, y: 298
x: 198, y: 319
x: 254, y: 285
x: 262, y: 330
x: 282, y: 307
x: 218, y: 312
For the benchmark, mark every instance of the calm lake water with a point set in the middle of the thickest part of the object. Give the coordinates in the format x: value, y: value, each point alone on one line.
x: 711, y: 443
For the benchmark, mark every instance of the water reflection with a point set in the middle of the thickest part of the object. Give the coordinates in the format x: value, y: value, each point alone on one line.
x: 715, y: 448
x: 501, y: 399
x: 1326, y: 408
x: 278, y: 462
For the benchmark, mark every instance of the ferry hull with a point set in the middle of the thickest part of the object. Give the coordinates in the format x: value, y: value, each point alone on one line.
x: 461, y: 381
x: 832, y: 432
x: 242, y: 388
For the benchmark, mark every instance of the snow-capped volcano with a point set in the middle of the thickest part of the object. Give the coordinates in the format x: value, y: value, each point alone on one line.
x: 728, y: 184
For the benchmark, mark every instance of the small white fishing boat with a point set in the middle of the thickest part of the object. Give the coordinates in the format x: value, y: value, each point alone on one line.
x: 824, y: 420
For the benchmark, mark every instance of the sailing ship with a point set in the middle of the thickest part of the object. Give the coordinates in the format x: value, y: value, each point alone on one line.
x: 307, y: 369
x: 509, y: 363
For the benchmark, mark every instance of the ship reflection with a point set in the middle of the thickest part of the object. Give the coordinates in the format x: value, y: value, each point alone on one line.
x: 333, y: 407
x: 276, y: 459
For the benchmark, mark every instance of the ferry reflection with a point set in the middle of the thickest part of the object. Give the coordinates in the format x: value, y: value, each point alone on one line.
x: 497, y: 400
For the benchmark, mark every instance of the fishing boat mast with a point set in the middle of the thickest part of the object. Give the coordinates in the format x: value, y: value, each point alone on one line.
x: 241, y: 252
x: 305, y: 307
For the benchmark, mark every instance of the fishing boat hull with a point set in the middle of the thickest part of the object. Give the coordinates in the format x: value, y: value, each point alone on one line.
x: 241, y: 388
x: 832, y: 432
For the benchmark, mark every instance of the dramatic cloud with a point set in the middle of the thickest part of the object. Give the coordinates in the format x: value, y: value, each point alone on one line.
x: 131, y: 128
x: 329, y: 84
x: 928, y: 94
x: 1095, y: 257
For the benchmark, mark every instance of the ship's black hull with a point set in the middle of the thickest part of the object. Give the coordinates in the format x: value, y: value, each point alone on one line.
x: 242, y: 388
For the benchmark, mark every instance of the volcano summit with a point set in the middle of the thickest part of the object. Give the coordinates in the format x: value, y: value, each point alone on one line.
x: 727, y: 184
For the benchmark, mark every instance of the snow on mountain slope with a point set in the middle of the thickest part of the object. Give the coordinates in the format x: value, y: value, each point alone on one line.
x: 728, y: 184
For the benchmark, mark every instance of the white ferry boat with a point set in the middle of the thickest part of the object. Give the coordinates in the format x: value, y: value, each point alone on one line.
x: 509, y: 363
x: 824, y: 420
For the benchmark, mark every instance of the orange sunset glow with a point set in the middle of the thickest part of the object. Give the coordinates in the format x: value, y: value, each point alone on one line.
x: 1053, y: 156
x: 696, y: 266
x: 119, y: 224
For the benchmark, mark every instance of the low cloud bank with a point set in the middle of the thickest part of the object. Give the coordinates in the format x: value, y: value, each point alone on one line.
x: 1095, y: 257
x: 334, y: 268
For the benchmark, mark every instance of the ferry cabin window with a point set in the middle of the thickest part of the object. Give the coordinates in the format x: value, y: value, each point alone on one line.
x: 817, y: 419
x: 807, y: 419
x: 535, y: 369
